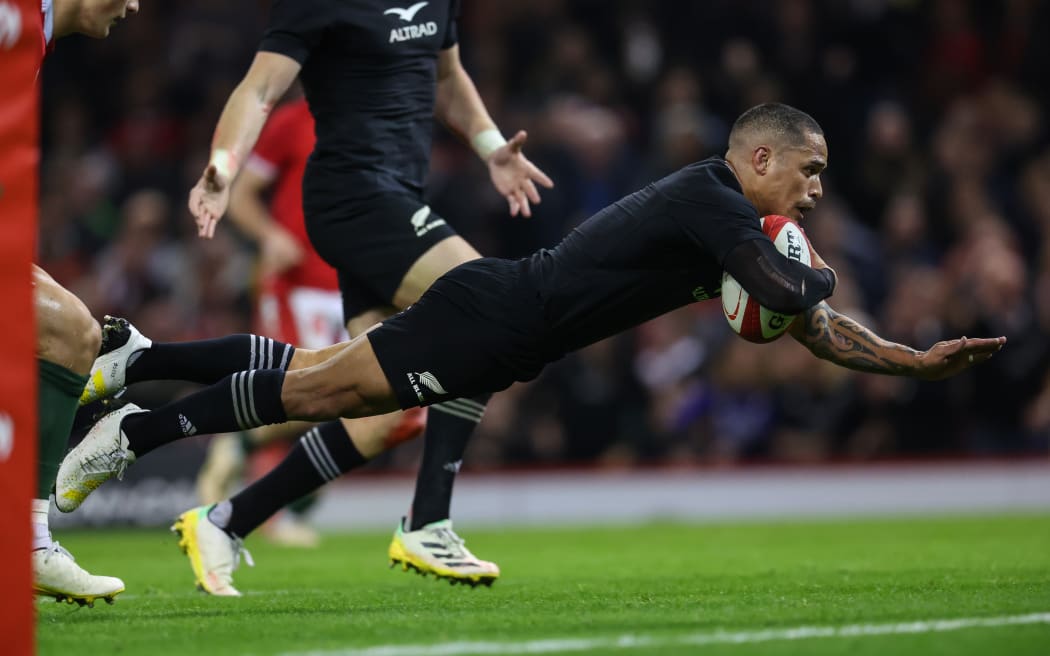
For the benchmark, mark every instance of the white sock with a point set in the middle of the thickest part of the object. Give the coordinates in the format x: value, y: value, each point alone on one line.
x: 41, y: 531
x: 220, y: 514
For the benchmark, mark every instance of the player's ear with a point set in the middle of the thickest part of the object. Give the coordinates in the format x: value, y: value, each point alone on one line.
x: 761, y: 157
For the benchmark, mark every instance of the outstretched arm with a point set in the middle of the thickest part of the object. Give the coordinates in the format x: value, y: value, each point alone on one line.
x: 242, y: 119
x: 839, y: 339
x: 459, y: 107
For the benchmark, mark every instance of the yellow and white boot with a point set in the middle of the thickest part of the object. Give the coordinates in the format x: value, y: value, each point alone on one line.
x: 437, y: 549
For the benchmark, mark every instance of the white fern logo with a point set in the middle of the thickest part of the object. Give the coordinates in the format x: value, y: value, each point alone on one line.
x: 187, y: 426
x: 10, y: 25
x: 431, y: 382
x: 419, y: 220
x: 406, y: 14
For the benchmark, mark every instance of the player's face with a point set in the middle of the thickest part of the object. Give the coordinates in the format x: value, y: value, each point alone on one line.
x: 98, y: 16
x: 791, y: 186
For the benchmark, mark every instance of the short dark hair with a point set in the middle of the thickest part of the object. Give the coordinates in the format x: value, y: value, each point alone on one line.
x: 780, y: 121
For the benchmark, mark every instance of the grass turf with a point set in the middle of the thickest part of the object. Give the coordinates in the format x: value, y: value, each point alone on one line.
x: 659, y: 582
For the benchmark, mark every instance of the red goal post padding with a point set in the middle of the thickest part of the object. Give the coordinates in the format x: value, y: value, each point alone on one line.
x: 20, y: 57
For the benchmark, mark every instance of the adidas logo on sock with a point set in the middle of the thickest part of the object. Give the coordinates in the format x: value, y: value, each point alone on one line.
x: 187, y: 426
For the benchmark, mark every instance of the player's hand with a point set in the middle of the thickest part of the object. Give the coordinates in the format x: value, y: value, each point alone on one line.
x: 278, y: 252
x: 208, y: 201
x: 945, y: 359
x: 515, y: 177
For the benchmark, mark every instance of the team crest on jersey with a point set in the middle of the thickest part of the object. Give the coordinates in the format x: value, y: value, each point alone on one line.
x: 410, y: 32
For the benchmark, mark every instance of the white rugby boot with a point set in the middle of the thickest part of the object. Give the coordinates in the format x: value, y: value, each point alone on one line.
x: 212, y: 552
x: 56, y: 574
x: 101, y: 455
x: 436, y: 549
x: 120, y: 340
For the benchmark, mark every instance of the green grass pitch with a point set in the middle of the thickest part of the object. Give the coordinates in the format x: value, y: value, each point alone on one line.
x: 739, y: 589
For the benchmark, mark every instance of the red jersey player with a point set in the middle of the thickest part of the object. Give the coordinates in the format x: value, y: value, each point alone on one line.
x: 68, y: 339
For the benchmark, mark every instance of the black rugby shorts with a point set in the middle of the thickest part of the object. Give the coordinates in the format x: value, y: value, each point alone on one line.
x: 372, y: 244
x: 478, y: 329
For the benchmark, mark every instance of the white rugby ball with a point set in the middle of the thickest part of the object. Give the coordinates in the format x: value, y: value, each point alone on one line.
x: 747, y: 318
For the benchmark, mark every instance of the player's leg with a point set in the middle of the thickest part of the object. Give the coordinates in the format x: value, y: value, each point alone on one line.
x: 335, y: 448
x: 212, y: 536
x: 423, y: 540
x: 321, y: 454
x: 349, y: 384
x: 127, y: 357
x: 67, y: 341
x: 311, y: 318
x: 458, y: 354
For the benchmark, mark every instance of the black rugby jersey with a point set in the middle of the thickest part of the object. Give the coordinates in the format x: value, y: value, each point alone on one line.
x: 650, y: 252
x: 369, y: 74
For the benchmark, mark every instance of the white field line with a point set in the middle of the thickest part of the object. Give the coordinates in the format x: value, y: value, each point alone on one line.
x: 635, y: 641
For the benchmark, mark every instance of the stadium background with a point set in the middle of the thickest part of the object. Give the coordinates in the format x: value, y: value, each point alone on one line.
x: 936, y: 212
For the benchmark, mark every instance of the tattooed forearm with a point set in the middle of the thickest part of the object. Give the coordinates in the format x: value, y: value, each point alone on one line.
x: 839, y: 339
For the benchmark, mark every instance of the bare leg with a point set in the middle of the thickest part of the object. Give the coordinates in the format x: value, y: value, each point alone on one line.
x: 68, y: 339
x: 350, y: 384
x: 66, y: 333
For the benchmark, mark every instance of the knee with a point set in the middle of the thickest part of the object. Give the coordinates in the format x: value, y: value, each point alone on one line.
x: 85, y: 338
x: 67, y: 334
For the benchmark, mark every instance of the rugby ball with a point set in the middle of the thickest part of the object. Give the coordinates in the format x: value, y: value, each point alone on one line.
x: 747, y: 318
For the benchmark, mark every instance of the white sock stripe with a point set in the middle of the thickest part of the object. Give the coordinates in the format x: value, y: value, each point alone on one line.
x: 251, y: 398
x: 284, y: 357
x: 456, y: 412
x: 322, y: 450
x: 242, y: 398
x: 471, y: 407
x: 238, y: 415
x: 310, y: 446
x: 269, y: 354
x: 465, y: 405
x: 468, y: 403
x: 251, y: 356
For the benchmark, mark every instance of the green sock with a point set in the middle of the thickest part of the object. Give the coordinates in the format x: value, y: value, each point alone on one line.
x: 59, y: 398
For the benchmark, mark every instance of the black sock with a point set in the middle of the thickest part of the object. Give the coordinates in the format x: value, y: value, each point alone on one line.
x: 322, y: 454
x: 241, y: 401
x: 449, y: 426
x: 207, y: 360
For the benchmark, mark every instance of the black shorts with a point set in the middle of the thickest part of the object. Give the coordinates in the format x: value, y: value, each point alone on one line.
x: 477, y: 329
x: 373, y: 243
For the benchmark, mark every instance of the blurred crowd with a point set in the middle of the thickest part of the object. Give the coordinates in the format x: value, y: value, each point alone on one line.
x: 936, y: 212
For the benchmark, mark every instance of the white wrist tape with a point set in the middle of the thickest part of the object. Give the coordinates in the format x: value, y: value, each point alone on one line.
x: 487, y: 141
x: 224, y: 162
